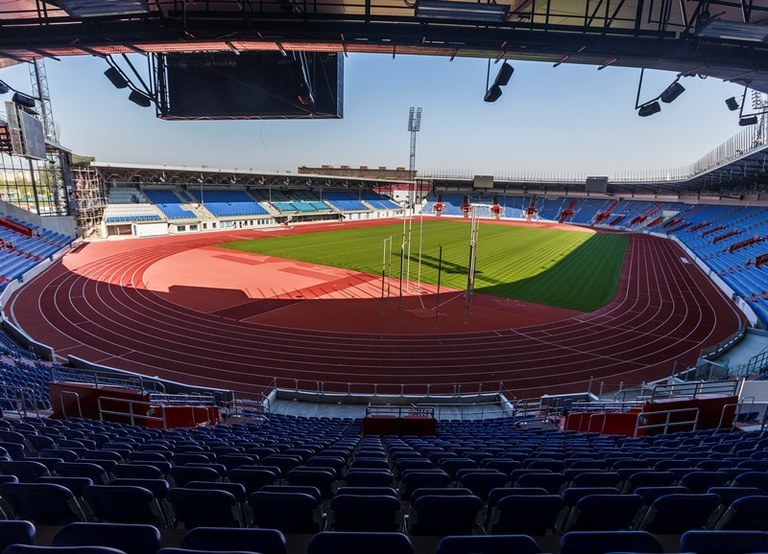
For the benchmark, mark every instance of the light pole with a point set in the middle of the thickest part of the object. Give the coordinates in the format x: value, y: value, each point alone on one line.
x: 414, y: 126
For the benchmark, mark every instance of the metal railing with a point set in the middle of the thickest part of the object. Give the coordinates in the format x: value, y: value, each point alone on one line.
x: 743, y: 143
x: 182, y: 399
x: 18, y: 399
x: 422, y: 390
x: 642, y: 420
x: 400, y: 411
x: 104, y: 379
x: 77, y: 401
x: 130, y: 413
x: 693, y: 390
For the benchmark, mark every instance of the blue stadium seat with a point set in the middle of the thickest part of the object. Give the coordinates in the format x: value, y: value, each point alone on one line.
x: 42, y: 503
x: 747, y: 513
x: 289, y: 512
x: 369, y: 478
x: 551, y: 482
x: 25, y: 471
x: 235, y: 489
x: 444, y: 514
x: 124, y: 504
x: 16, y: 532
x: 752, y: 479
x: 323, y: 479
x: 482, y: 483
x: 30, y: 549
x: 497, y: 544
x: 182, y: 475
x: 136, y: 471
x: 605, y: 512
x: 724, y: 542
x: 175, y: 550
x: 131, y: 539
x: 386, y: 491
x: 572, y: 495
x: 729, y: 494
x: 677, y: 513
x: 92, y: 471
x: 413, y: 480
x: 336, y: 542
x: 352, y: 512
x: 158, y: 487
x: 542, y: 513
x: 252, y: 479
x: 650, y: 479
x: 650, y: 494
x: 605, y: 542
x: 205, y: 508
x: 74, y: 484
x: 264, y: 541
x: 702, y: 481
x: 597, y: 479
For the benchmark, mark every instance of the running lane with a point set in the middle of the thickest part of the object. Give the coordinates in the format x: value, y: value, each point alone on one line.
x: 94, y: 305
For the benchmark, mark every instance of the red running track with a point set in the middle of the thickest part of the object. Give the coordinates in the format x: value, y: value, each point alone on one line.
x: 665, y: 311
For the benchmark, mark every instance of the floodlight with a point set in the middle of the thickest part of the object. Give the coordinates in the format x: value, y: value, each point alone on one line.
x: 748, y: 120
x: 717, y: 29
x: 115, y: 77
x: 649, y: 109
x: 505, y: 74
x: 23, y: 100
x: 140, y: 99
x: 493, y: 93
x: 671, y: 93
x: 467, y: 11
x: 732, y: 103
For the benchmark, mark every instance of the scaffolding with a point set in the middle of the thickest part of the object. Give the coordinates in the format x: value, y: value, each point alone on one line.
x: 88, y: 201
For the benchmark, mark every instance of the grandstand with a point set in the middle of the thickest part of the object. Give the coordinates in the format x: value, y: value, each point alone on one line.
x: 284, y: 484
x: 300, y: 393
x: 169, y: 203
x: 137, y: 205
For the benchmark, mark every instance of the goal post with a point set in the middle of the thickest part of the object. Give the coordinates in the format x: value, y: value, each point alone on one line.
x: 486, y: 211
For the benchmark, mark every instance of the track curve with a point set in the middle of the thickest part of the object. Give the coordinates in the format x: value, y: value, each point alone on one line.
x: 94, y: 304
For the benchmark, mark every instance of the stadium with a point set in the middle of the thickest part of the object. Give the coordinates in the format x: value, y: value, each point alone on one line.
x: 367, y: 359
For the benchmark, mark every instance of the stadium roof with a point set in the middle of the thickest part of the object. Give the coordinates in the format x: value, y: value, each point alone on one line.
x: 722, y: 38
x: 237, y: 176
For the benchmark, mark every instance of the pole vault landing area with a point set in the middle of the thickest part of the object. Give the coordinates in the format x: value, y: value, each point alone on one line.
x: 253, y: 288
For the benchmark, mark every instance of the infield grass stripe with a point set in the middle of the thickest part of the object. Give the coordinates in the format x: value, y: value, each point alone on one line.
x: 561, y: 268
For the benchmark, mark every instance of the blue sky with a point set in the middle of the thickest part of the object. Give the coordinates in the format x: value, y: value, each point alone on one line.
x: 569, y: 118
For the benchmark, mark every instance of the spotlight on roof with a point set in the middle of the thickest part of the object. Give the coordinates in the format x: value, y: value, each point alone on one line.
x: 716, y: 29
x: 732, y: 103
x: 140, y: 99
x: 467, y: 11
x: 748, y: 120
x: 649, y: 109
x: 493, y: 93
x: 116, y: 78
x: 99, y: 8
x: 505, y: 74
x: 671, y: 93
x: 24, y: 100
x: 4, y: 88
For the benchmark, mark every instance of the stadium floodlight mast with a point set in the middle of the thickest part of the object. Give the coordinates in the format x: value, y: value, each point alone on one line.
x: 414, y: 126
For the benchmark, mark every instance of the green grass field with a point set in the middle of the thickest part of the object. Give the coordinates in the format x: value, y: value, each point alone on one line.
x: 567, y: 269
